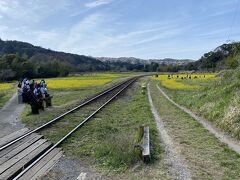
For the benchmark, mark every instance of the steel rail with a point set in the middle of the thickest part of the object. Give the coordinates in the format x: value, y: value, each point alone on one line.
x: 64, y: 114
x: 72, y: 131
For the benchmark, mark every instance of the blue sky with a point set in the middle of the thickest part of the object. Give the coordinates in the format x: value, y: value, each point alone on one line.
x: 116, y: 28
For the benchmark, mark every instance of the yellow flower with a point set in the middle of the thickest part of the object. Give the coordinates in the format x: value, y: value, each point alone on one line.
x: 75, y: 83
x: 6, y: 86
x: 85, y: 80
x: 183, y: 81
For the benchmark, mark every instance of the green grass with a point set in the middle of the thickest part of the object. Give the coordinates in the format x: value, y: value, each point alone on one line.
x: 206, y: 157
x: 218, y: 101
x: 5, y: 96
x: 107, y: 141
x: 62, y: 101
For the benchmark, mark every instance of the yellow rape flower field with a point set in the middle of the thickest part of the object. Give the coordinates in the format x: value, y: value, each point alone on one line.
x: 87, y: 80
x: 6, y: 86
x: 78, y: 81
x: 183, y: 81
x: 6, y: 91
x: 74, y: 83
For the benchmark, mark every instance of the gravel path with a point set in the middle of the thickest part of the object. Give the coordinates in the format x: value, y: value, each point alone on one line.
x: 70, y: 169
x: 178, y: 167
x: 224, y: 138
x: 10, y: 116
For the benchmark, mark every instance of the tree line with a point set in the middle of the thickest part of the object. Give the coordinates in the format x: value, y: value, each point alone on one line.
x: 14, y: 66
x: 20, y: 59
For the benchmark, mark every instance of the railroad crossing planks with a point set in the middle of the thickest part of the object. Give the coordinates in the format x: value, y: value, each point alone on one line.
x: 21, y: 164
x: 19, y: 155
x: 15, y: 145
x: 43, y: 165
x: 12, y: 151
x: 13, y: 136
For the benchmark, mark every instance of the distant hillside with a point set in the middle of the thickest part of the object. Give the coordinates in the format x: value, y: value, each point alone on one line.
x: 20, y: 59
x: 169, y: 61
x: 226, y: 56
x: 152, y: 65
x: 43, y: 60
x: 133, y: 60
x: 41, y: 55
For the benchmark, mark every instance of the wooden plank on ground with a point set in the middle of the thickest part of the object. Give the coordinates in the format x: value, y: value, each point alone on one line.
x: 21, y: 155
x: 4, y: 140
x: 19, y: 143
x: 32, y: 139
x: 146, y: 145
x: 16, y: 168
x: 44, y: 165
x: 48, y: 166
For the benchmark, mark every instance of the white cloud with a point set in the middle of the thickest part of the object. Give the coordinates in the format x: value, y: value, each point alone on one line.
x: 4, y: 6
x: 222, y: 12
x: 45, y: 35
x: 95, y: 35
x: 97, y: 3
x: 84, y: 34
x: 213, y: 33
x: 31, y: 11
x: 83, y: 28
x: 52, y: 37
x: 3, y: 28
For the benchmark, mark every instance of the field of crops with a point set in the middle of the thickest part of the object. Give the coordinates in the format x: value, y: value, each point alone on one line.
x: 6, y: 91
x: 73, y: 82
x: 6, y: 86
x: 67, y: 83
x: 81, y: 81
x: 183, y: 81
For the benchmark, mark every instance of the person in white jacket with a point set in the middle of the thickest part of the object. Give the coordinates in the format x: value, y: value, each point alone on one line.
x: 19, y: 93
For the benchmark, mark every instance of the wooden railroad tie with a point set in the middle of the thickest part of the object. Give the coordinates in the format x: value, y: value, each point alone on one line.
x: 145, y: 146
x: 19, y: 155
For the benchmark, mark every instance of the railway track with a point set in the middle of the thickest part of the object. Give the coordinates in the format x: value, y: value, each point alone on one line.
x: 26, y: 155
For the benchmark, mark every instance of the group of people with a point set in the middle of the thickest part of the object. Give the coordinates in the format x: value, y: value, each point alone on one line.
x: 170, y: 76
x: 32, y: 92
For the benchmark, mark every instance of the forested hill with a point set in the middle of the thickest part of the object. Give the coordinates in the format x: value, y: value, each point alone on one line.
x: 41, y: 55
x: 226, y: 56
x: 20, y: 59
x: 133, y: 60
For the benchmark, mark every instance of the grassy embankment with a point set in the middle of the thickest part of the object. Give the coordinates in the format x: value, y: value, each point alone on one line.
x: 217, y: 99
x: 6, y: 92
x: 204, y: 155
x: 107, y: 141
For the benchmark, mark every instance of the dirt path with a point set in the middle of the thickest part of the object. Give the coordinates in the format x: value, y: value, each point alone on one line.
x: 10, y: 116
x: 178, y: 167
x: 70, y: 169
x: 224, y: 138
